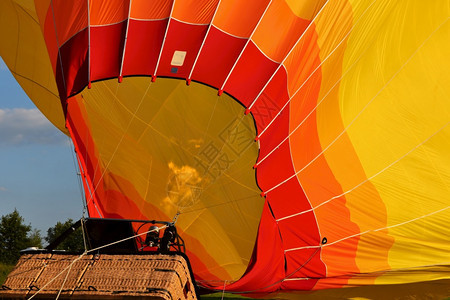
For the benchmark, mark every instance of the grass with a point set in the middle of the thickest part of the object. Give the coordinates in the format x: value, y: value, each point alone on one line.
x: 4, y: 271
x: 218, y: 296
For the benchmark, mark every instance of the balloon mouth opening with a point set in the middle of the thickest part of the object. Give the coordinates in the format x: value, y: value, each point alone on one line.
x: 187, y: 147
x: 158, y: 149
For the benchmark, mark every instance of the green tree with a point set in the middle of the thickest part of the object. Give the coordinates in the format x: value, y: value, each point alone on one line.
x: 73, y: 242
x: 35, y: 238
x: 15, y: 236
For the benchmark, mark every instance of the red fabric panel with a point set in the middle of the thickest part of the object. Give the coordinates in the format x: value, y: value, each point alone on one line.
x: 143, y: 45
x: 269, y: 171
x: 250, y: 75
x: 106, y: 50
x: 50, y: 39
x: 266, y: 269
x: 304, y: 265
x: 181, y: 37
x: 301, y: 230
x: 266, y: 109
x: 271, y: 100
x: 81, y: 138
x: 72, y: 77
x: 274, y: 134
x: 288, y: 199
x: 218, y: 55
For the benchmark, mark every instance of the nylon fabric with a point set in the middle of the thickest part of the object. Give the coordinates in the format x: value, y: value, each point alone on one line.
x: 153, y: 10
x: 202, y: 176
x: 30, y: 65
x: 347, y: 100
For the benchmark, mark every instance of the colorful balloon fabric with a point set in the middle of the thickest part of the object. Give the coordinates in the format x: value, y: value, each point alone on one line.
x: 304, y: 145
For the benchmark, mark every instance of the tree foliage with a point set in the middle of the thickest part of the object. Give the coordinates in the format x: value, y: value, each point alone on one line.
x: 73, y: 242
x: 16, y: 236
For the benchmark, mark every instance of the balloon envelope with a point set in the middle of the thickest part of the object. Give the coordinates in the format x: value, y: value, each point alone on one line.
x: 303, y: 145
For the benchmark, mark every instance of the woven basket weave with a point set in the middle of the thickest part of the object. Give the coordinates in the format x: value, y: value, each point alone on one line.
x: 156, y: 276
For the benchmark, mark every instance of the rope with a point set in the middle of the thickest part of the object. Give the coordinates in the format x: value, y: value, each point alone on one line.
x: 288, y: 54
x: 245, y: 46
x: 277, y: 282
x: 83, y: 231
x: 223, y: 291
x: 164, y: 41
x: 117, y: 147
x: 204, y: 40
x: 64, y: 282
x: 371, y: 230
x: 56, y: 276
x: 125, y: 239
x: 362, y: 110
x: 85, y: 253
x: 303, y: 84
x: 369, y: 178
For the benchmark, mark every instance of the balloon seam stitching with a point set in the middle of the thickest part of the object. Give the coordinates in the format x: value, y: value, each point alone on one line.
x: 164, y: 39
x: 370, y: 231
x: 363, y: 109
x: 245, y: 46
x: 204, y: 40
x: 287, y: 55
x: 125, y: 41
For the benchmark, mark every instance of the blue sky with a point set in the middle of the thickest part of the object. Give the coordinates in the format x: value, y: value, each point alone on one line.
x: 37, y: 172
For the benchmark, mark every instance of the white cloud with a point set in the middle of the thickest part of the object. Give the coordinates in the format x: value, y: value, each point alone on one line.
x: 21, y: 126
x: 3, y: 189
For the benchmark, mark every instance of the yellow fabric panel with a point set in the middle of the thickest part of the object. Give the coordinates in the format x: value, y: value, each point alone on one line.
x: 394, y: 104
x: 305, y: 9
x: 372, y: 247
x: 315, y: 125
x: 29, y: 64
x: 439, y: 289
x: 185, y: 150
x: 327, y: 31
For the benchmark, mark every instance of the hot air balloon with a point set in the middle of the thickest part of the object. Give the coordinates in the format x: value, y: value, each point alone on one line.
x: 300, y: 145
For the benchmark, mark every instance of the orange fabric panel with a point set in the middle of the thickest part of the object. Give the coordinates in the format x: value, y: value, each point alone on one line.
x: 49, y: 36
x: 103, y: 12
x: 279, y: 30
x: 315, y: 175
x: 302, y: 61
x: 150, y: 10
x: 232, y: 16
x: 42, y: 7
x: 70, y: 17
x: 342, y: 155
x: 195, y: 11
x: 333, y: 218
x: 320, y: 184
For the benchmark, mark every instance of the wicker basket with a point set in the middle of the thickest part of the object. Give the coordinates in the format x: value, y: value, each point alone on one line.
x: 103, y: 276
